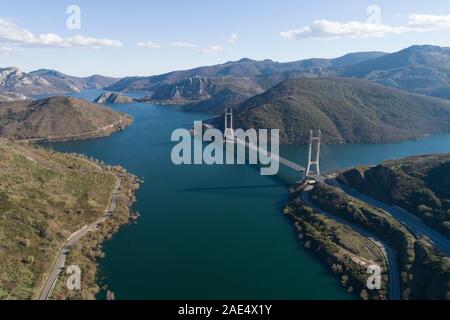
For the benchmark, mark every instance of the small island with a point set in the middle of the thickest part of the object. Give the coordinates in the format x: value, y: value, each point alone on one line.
x: 113, y: 98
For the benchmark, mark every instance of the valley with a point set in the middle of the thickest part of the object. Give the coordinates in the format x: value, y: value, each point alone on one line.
x: 230, y: 199
x: 369, y: 110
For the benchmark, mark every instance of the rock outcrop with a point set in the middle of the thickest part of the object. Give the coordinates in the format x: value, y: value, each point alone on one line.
x: 113, y: 98
x: 11, y: 96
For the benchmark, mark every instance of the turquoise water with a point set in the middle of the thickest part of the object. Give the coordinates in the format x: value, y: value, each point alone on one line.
x: 214, y: 232
x: 349, y: 155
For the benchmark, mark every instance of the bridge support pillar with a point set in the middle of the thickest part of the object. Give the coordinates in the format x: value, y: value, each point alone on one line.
x: 229, y: 131
x: 314, y: 143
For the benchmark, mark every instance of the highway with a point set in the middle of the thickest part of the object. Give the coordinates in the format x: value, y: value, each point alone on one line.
x: 410, y: 221
x: 60, y: 262
x: 413, y: 223
x: 72, y: 136
x: 388, y: 253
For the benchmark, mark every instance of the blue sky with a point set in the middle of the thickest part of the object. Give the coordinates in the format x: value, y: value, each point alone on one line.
x: 176, y: 34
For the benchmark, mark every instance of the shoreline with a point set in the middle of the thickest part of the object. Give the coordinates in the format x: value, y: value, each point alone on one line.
x: 118, y: 126
x: 410, y: 257
x: 88, y: 250
x: 94, y: 287
x: 324, y: 238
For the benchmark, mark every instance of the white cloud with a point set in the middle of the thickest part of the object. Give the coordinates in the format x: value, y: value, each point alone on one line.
x: 232, y: 40
x: 205, y: 50
x: 7, y: 50
x: 11, y: 33
x: 78, y: 41
x: 149, y: 44
x: 177, y: 44
x: 426, y: 22
x: 211, y: 50
x: 325, y: 29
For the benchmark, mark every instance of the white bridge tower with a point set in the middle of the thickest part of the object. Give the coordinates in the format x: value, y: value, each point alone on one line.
x: 314, y: 143
x: 229, y: 130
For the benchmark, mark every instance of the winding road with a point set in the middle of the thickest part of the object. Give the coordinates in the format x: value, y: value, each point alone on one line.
x: 388, y: 253
x: 59, y: 265
x: 413, y: 223
x: 75, y: 135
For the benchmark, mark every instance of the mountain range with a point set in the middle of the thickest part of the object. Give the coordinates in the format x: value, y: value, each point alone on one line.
x: 69, y: 83
x: 261, y: 71
x: 418, y: 69
x: 13, y: 80
x: 348, y: 97
x: 214, y: 88
x: 42, y: 82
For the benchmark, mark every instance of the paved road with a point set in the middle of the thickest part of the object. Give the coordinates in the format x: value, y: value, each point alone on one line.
x: 410, y: 221
x: 59, y: 265
x: 413, y: 223
x: 388, y: 252
x: 73, y: 136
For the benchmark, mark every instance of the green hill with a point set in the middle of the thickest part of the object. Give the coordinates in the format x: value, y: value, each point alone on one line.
x: 347, y: 110
x: 420, y: 185
x: 44, y: 197
x: 58, y: 118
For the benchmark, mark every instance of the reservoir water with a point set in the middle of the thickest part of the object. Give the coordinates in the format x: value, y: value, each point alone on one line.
x: 214, y: 232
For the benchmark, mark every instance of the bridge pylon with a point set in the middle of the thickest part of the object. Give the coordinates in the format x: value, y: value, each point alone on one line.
x: 229, y: 130
x: 314, y: 141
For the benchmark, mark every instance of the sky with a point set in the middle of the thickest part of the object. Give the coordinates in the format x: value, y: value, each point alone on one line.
x: 137, y: 37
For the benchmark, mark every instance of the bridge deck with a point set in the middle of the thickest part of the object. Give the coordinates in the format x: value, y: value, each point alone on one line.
x: 275, y: 157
